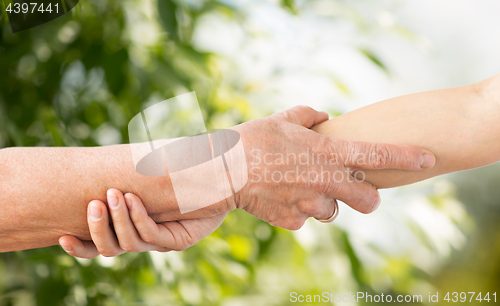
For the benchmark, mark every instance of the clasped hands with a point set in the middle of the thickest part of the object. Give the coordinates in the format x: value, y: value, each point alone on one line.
x: 294, y: 174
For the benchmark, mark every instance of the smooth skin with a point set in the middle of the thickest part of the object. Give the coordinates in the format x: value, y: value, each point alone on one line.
x: 460, y: 125
x: 133, y: 230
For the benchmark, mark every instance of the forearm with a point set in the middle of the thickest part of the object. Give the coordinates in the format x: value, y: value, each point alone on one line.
x: 461, y: 126
x: 45, y: 192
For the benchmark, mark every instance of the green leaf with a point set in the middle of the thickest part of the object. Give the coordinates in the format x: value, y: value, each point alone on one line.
x: 356, y: 266
x: 290, y: 6
x: 375, y: 59
x: 167, y: 11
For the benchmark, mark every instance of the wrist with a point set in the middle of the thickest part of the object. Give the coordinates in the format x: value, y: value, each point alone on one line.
x: 239, y: 195
x: 487, y: 112
x: 488, y: 93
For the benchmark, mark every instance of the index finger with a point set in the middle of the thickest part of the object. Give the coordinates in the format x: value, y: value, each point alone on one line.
x: 373, y: 156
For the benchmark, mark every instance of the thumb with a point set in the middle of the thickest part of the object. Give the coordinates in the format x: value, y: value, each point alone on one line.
x: 182, y: 234
x: 365, y: 155
x: 78, y: 248
x: 304, y: 116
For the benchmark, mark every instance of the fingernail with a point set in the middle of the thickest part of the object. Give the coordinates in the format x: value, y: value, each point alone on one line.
x: 128, y: 201
x: 112, y: 200
x: 67, y: 247
x: 427, y: 161
x: 95, y: 212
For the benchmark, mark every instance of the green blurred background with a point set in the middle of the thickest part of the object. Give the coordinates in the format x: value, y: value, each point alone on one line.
x: 78, y: 80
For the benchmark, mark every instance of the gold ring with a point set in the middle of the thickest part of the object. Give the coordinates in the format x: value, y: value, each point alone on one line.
x: 333, y: 216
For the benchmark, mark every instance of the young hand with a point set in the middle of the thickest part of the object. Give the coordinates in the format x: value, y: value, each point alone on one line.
x: 134, y: 230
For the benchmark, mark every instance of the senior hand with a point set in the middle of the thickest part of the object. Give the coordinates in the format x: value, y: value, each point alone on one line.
x: 296, y: 173
x: 134, y: 230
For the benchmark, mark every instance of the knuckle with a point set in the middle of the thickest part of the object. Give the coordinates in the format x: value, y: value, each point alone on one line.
x: 96, y: 232
x: 309, y: 207
x: 331, y: 187
x: 381, y: 156
x: 349, y: 151
x: 302, y: 108
x: 291, y: 224
x: 148, y: 238
x: 184, y: 242
x: 127, y: 247
x: 293, y: 114
x: 295, y: 225
x: 119, y: 219
x: 188, y: 241
x: 289, y: 115
x: 372, y: 204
